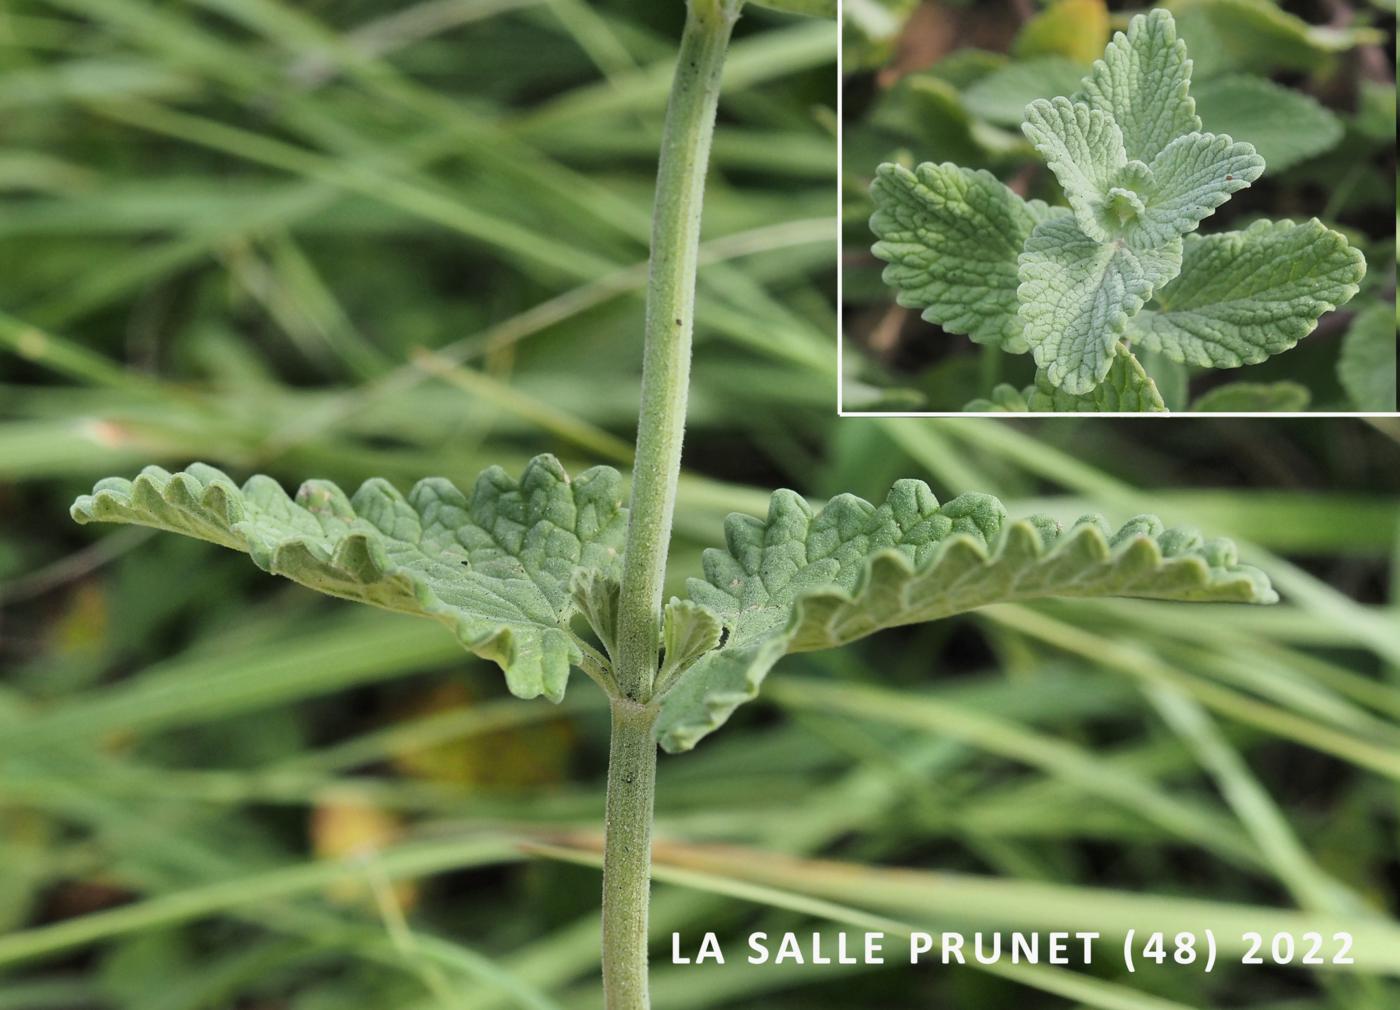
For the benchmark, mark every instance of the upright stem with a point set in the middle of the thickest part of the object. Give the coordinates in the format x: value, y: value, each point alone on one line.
x: 627, y: 854
x: 675, y: 240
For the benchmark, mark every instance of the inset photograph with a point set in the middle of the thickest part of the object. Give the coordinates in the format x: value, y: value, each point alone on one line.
x: 1080, y: 206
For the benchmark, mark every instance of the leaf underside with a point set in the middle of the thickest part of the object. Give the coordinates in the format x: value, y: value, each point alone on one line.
x: 495, y: 566
x: 799, y: 581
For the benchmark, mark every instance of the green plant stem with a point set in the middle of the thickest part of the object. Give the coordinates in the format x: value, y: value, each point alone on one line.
x: 627, y: 854
x: 675, y: 240
x: 670, y: 314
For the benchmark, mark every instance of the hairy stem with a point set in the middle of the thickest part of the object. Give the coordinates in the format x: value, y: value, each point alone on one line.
x: 675, y: 240
x: 627, y: 854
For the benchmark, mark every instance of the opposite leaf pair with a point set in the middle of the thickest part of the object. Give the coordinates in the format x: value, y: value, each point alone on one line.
x: 509, y: 566
x: 1070, y: 284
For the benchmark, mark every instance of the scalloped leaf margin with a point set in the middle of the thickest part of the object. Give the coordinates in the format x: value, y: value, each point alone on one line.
x: 973, y: 558
x: 494, y: 566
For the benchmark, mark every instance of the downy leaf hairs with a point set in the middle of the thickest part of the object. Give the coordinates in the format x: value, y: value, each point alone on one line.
x: 1122, y: 267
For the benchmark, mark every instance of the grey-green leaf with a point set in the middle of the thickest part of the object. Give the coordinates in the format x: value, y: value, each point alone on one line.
x: 1190, y: 178
x: 1260, y: 36
x: 596, y: 596
x: 1084, y: 148
x: 1005, y: 399
x: 951, y: 237
x: 495, y: 566
x: 1244, y: 295
x: 1143, y: 82
x: 1077, y: 295
x: 688, y: 631
x: 1285, y: 126
x: 1366, y: 366
x: 1001, y: 96
x: 1253, y: 398
x: 798, y: 581
x: 1126, y: 389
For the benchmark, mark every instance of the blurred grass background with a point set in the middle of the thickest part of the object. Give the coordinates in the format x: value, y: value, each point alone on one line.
x: 1311, y: 83
x: 346, y: 239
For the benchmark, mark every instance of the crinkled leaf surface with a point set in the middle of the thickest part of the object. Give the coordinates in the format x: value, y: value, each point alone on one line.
x: 798, y: 581
x: 495, y: 566
x: 1366, y: 366
x: 1084, y: 148
x: 688, y: 631
x: 597, y: 596
x: 1145, y: 204
x: 951, y: 237
x: 1127, y: 389
x: 1077, y: 296
x: 1285, y: 126
x: 1191, y: 177
x: 1142, y: 82
x: 1244, y: 295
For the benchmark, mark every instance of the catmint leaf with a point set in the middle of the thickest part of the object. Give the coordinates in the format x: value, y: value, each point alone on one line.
x: 495, y: 566
x: 1084, y: 148
x: 1127, y: 388
x: 928, y: 108
x: 688, y: 631
x: 951, y: 237
x: 1143, y: 83
x: 1186, y: 182
x: 1253, y: 398
x: 1285, y: 126
x: 1244, y: 295
x: 1005, y: 399
x: 799, y: 581
x: 1172, y: 378
x: 596, y: 596
x: 1366, y: 367
x: 1000, y: 97
x: 1077, y: 296
x: 964, y: 67
x: 1260, y: 36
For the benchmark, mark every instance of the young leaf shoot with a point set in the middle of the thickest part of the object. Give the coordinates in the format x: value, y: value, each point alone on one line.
x: 1123, y: 267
